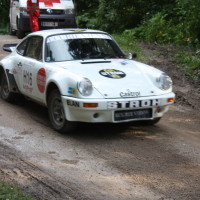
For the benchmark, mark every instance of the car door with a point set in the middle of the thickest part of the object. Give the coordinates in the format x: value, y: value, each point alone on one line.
x: 31, y: 73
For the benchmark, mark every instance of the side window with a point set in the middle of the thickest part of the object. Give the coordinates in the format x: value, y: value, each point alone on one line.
x: 22, y: 47
x: 34, y: 48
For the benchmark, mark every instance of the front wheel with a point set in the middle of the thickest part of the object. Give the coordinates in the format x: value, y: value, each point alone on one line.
x: 5, y: 91
x: 20, y: 33
x: 57, y: 113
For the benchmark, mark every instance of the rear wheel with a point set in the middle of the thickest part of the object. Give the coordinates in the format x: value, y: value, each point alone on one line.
x: 5, y: 91
x: 57, y: 113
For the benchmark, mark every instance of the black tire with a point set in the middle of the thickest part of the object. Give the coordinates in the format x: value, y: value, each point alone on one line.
x: 57, y: 113
x: 20, y: 33
x: 5, y: 91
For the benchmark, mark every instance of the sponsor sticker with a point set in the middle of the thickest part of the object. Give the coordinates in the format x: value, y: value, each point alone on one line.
x: 14, y: 71
x: 129, y: 94
x: 78, y: 36
x: 112, y: 73
x: 41, y: 80
x: 71, y: 90
x: 28, y: 88
x: 73, y: 103
x: 124, y: 62
x: 133, y: 104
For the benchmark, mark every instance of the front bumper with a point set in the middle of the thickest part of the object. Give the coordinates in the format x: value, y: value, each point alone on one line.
x: 61, y: 21
x: 105, y: 112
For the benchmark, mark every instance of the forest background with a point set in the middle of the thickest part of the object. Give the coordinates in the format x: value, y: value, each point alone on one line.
x: 174, y: 22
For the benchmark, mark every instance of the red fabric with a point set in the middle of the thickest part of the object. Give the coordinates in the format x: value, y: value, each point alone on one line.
x: 34, y: 24
x: 34, y: 12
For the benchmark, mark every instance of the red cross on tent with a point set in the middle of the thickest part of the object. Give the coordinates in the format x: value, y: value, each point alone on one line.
x: 49, y: 3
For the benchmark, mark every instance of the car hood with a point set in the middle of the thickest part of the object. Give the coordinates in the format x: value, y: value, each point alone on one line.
x: 116, y: 78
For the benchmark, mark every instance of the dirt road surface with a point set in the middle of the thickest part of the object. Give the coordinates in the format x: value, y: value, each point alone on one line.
x: 105, y: 162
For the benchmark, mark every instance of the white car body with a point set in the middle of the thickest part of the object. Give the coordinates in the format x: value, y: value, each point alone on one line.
x: 115, y: 89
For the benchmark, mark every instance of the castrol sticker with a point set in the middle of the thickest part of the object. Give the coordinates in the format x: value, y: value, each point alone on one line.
x: 41, y: 80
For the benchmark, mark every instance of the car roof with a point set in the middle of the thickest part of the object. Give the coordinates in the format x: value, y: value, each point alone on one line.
x: 46, y: 33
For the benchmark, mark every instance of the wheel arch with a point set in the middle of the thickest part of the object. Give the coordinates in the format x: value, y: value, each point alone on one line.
x: 1, y: 71
x: 51, y: 86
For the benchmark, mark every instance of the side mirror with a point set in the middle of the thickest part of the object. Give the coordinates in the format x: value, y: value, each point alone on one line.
x: 9, y: 47
x: 132, y: 56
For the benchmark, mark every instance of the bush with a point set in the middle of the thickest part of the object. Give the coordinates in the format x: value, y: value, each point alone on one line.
x: 179, y: 25
x: 190, y: 60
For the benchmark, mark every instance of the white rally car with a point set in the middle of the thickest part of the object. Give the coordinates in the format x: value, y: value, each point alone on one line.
x: 83, y: 76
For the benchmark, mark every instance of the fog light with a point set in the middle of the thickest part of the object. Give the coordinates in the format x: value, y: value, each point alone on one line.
x: 96, y: 115
x: 90, y: 105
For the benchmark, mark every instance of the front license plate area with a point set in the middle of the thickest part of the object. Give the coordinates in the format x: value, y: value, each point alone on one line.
x: 133, y: 114
x: 49, y: 24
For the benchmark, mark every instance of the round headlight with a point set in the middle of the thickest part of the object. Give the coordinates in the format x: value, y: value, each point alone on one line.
x: 164, y: 82
x: 85, y: 87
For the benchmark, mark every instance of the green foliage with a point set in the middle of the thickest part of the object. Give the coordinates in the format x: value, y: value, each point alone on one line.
x: 128, y: 44
x: 3, y: 30
x: 179, y: 25
x: 118, y: 15
x: 190, y: 60
x: 11, y: 193
x: 4, y: 10
x: 86, y: 17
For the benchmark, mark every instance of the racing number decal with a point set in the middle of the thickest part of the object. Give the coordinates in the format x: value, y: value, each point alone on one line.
x: 27, y: 81
x: 27, y: 76
x: 41, y: 80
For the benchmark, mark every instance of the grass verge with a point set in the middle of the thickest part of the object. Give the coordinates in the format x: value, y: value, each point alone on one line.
x: 129, y: 45
x: 190, y: 62
x: 8, y: 192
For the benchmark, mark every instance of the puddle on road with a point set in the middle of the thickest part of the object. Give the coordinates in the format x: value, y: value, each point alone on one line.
x: 26, y: 132
x: 18, y: 138
x: 52, y: 152
x: 70, y: 162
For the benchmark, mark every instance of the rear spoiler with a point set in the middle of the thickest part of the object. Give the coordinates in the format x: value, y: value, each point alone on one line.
x: 9, y: 47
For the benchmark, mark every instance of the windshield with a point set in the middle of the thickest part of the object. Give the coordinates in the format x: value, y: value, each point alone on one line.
x: 80, y: 47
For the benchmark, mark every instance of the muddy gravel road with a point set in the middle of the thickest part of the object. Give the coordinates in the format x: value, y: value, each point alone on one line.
x: 105, y: 162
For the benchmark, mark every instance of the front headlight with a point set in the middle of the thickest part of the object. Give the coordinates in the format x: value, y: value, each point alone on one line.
x: 70, y: 11
x: 85, y: 87
x: 164, y: 82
